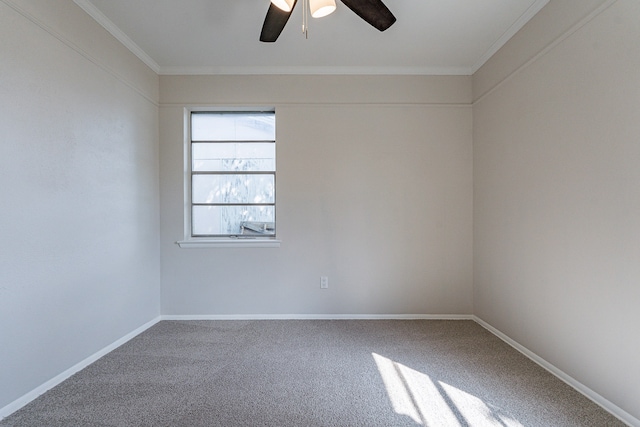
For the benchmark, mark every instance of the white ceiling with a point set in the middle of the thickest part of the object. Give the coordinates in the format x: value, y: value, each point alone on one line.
x: 221, y: 36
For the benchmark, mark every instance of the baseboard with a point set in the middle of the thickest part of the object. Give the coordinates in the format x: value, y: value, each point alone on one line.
x: 613, y: 409
x: 27, y: 398
x: 317, y: 317
x: 595, y: 397
x: 35, y: 393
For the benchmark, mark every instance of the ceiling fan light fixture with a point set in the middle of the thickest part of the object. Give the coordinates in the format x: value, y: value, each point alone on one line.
x: 285, y: 5
x: 320, y: 8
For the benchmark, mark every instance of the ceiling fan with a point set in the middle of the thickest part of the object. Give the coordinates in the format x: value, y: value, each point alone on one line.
x: 372, y: 11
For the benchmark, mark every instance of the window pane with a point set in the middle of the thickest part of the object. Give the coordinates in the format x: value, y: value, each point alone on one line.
x: 257, y: 188
x: 233, y: 126
x: 228, y: 220
x: 248, y: 156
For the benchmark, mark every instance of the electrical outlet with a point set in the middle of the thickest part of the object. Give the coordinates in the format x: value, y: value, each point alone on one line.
x: 324, y: 282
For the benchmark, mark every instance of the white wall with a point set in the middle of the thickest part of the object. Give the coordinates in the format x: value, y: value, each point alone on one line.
x: 79, y: 260
x: 373, y: 190
x: 557, y: 194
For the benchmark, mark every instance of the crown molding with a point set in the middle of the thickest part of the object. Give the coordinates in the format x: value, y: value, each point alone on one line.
x: 294, y: 70
x: 116, y: 32
x: 99, y: 17
x: 108, y: 25
x: 510, y: 32
x: 87, y: 54
x: 548, y: 48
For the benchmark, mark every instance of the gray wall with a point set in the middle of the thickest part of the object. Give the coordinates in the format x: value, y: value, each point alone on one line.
x: 79, y: 261
x: 557, y: 193
x: 374, y: 191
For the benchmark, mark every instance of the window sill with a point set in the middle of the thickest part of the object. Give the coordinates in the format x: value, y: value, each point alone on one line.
x: 229, y: 243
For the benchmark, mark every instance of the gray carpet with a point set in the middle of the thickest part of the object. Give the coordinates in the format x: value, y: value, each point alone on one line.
x: 313, y: 373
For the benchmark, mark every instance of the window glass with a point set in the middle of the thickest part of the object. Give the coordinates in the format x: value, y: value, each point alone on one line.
x: 233, y: 188
x: 246, y: 156
x: 233, y: 174
x: 233, y: 126
x: 233, y: 220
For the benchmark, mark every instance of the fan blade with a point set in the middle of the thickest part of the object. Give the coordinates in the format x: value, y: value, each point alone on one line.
x: 274, y: 23
x: 372, y: 11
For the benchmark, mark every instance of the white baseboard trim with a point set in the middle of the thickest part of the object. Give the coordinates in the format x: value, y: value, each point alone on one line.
x: 33, y: 394
x: 317, y: 317
x: 613, y: 409
x: 595, y: 397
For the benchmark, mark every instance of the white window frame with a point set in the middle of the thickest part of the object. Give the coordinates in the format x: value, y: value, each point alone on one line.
x: 190, y: 241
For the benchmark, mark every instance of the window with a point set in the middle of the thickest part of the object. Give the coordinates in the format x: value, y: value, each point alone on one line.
x: 231, y: 176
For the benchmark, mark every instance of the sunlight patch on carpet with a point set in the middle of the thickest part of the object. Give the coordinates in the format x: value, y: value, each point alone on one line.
x: 434, y: 403
x: 474, y: 410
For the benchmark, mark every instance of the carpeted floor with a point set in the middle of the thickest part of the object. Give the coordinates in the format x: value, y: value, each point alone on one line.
x: 313, y: 373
